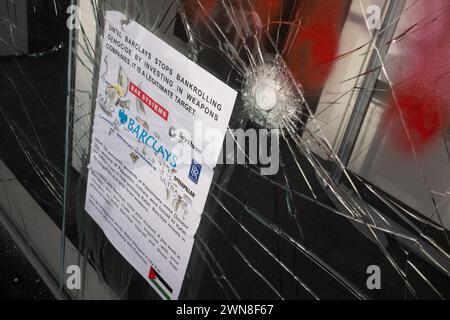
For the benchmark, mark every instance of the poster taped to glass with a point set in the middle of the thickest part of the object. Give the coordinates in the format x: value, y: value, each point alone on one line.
x: 149, y: 172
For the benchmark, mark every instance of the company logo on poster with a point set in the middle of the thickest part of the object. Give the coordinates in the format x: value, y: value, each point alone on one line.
x: 151, y: 103
x: 194, y: 172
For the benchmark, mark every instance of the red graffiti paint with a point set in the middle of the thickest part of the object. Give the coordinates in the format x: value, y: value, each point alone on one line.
x: 315, y: 47
x: 418, y: 113
x: 269, y: 10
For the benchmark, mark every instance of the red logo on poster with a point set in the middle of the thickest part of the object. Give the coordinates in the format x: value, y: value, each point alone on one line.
x: 152, y: 104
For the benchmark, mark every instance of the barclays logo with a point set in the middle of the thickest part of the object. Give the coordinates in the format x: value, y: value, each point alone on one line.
x: 123, y: 116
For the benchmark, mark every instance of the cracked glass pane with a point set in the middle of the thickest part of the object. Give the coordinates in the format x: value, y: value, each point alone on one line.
x: 351, y: 95
x: 33, y: 73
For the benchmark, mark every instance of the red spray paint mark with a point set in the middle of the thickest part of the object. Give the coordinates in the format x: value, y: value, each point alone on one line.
x: 420, y: 112
x: 315, y: 47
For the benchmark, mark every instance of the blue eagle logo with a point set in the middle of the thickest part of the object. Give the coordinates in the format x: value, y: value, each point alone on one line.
x: 123, y: 116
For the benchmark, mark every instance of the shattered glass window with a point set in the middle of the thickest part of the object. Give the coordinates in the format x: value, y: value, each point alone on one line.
x: 356, y: 92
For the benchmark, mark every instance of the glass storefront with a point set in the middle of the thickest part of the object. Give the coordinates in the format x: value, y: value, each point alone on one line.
x: 346, y: 101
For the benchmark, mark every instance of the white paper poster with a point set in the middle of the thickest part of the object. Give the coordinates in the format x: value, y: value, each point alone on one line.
x: 159, y: 124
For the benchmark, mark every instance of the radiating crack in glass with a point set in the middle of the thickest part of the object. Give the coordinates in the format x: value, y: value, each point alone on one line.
x: 255, y: 43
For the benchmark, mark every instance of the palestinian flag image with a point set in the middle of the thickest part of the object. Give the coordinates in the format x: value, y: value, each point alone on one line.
x: 160, y: 283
